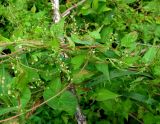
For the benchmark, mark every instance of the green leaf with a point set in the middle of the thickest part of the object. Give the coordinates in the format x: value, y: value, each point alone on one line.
x: 157, y: 31
x: 129, y: 1
x: 55, y: 87
x: 156, y: 70
x: 82, y: 75
x: 77, y: 61
x: 149, y: 118
x: 152, y: 6
x: 64, y: 102
x: 131, y: 60
x: 110, y: 54
x: 106, y: 33
x: 75, y: 38
x: 4, y: 39
x: 68, y: 102
x: 129, y: 39
x: 108, y: 105
x: 96, y: 34
x: 103, y: 67
x: 57, y: 30
x: 102, y: 8
x: 113, y: 74
x: 32, y: 75
x: 95, y: 4
x: 141, y: 98
x: 33, y: 9
x: 49, y: 73
x: 126, y: 108
x: 157, y: 20
x: 6, y: 77
x: 70, y: 42
x: 25, y: 97
x: 102, y: 0
x: 26, y: 75
x: 87, y: 11
x: 150, y: 55
x: 137, y: 97
x: 104, y: 94
x: 21, y: 81
x: 55, y: 43
x: 7, y: 110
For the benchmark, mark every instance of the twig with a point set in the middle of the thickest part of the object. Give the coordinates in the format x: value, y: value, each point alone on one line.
x: 148, y: 45
x: 68, y: 11
x: 39, y: 105
x: 21, y: 50
x: 85, y: 64
x: 94, y: 46
x: 34, y: 108
x: 3, y: 44
x: 12, y: 54
x: 130, y: 114
x: 23, y: 42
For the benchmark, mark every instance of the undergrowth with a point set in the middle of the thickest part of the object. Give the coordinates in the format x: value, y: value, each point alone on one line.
x: 113, y: 61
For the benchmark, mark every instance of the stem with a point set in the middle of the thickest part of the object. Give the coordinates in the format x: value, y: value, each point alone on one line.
x: 81, y: 119
x: 68, y: 11
x: 37, y: 106
x: 56, y: 14
x: 134, y: 117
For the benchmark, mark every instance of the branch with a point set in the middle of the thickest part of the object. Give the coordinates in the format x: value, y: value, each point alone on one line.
x: 81, y: 119
x: 134, y: 117
x: 68, y: 11
x: 13, y: 54
x: 56, y: 18
x: 56, y: 14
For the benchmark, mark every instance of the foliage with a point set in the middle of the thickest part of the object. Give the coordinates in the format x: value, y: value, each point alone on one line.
x: 113, y: 61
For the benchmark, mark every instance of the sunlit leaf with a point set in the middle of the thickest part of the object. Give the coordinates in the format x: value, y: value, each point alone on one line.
x: 64, y: 102
x: 77, y: 40
x: 4, y: 39
x: 150, y: 55
x: 129, y: 39
x: 104, y: 94
x: 25, y: 97
x: 33, y: 9
x: 82, y: 75
x: 95, y: 4
x: 77, y: 61
x: 95, y: 34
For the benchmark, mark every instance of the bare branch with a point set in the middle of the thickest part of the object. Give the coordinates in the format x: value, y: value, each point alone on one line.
x: 81, y: 119
x: 13, y: 54
x: 56, y: 14
x: 68, y: 11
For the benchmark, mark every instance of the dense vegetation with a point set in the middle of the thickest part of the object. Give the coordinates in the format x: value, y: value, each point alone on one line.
x: 113, y: 61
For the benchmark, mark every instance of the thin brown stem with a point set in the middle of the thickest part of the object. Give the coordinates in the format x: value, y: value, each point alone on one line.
x: 134, y: 117
x: 68, y: 11
x: 39, y: 105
